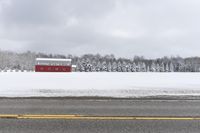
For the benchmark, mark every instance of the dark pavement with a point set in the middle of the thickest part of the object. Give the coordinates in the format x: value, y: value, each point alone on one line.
x: 172, y: 108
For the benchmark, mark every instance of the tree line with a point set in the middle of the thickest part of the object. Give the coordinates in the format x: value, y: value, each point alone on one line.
x: 97, y: 63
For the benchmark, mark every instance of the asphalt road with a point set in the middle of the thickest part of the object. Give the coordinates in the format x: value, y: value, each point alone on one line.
x: 145, y: 108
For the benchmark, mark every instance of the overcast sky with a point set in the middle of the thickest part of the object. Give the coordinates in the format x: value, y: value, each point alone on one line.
x: 152, y: 28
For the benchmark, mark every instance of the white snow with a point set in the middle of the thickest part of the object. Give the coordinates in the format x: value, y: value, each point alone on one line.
x: 13, y: 84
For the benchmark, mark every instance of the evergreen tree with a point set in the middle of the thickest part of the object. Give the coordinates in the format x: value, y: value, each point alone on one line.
x: 109, y: 69
x: 171, y: 67
x: 98, y: 67
x: 148, y: 69
x: 119, y: 67
x: 153, y: 67
x: 162, y: 67
x: 104, y: 66
x: 142, y: 67
x: 167, y: 68
x: 133, y: 67
x: 114, y: 67
x: 128, y: 69
x: 157, y: 67
x: 124, y: 67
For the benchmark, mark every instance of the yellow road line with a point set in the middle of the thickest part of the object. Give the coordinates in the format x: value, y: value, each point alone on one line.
x: 82, y: 117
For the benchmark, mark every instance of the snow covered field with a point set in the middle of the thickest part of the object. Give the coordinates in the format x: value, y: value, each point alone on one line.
x: 98, y: 84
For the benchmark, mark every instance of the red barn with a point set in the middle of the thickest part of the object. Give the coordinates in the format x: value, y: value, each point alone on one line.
x: 53, y: 65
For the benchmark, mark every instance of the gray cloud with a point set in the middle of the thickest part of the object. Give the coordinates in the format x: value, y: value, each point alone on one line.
x: 122, y: 27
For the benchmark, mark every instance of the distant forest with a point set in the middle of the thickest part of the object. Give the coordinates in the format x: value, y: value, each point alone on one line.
x: 98, y: 63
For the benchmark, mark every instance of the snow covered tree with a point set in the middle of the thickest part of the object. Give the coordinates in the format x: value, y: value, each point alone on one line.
x: 98, y: 67
x: 109, y: 69
x: 119, y: 67
x: 157, y: 67
x: 171, y: 67
x: 142, y: 67
x: 162, y: 67
x: 148, y: 69
x: 124, y: 67
x: 133, y: 67
x: 153, y: 67
x: 94, y: 64
x: 114, y: 67
x: 104, y: 66
x: 167, y: 68
x: 128, y: 67
x: 138, y: 68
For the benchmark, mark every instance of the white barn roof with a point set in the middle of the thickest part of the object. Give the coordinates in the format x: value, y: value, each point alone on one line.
x: 53, y: 59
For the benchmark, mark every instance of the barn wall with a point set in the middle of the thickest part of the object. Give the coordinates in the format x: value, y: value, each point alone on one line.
x: 42, y: 68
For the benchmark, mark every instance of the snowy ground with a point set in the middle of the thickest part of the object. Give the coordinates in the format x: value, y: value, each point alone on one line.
x: 13, y: 84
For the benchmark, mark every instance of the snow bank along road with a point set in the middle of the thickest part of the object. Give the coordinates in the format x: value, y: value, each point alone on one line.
x: 123, y: 85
